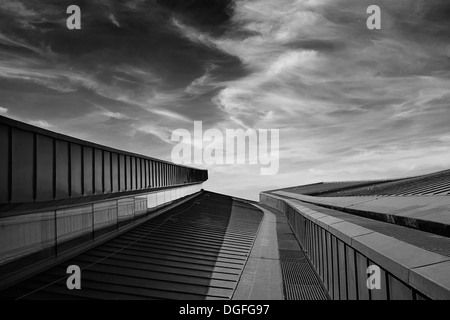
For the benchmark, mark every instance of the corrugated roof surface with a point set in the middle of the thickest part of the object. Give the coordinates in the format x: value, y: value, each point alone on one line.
x: 195, y: 251
x: 328, y: 187
x: 427, y: 185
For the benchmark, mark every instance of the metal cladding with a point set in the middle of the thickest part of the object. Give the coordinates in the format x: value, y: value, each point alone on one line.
x: 434, y: 184
x: 39, y: 165
x: 194, y: 251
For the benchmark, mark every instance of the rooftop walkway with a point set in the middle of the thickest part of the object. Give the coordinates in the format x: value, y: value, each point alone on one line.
x: 210, y: 247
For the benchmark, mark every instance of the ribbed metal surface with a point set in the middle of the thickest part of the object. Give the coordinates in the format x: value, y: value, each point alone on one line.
x: 426, y: 185
x: 299, y: 279
x: 36, y: 164
x: 194, y: 251
x: 326, y: 187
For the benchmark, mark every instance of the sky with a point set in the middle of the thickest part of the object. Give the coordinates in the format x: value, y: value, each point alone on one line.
x: 349, y: 103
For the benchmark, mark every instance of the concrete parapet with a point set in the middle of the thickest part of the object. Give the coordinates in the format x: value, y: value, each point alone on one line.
x: 342, y: 251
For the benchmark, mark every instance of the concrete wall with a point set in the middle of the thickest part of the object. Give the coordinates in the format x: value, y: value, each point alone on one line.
x: 39, y: 165
x: 341, y: 252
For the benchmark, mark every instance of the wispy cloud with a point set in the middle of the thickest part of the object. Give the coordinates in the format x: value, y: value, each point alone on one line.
x: 163, y: 133
x: 350, y: 103
x: 40, y: 123
x: 335, y: 88
x: 114, y: 20
x: 17, y: 8
x: 204, y: 83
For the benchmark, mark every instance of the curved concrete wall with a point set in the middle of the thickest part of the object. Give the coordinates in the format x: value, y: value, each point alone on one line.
x: 341, y: 252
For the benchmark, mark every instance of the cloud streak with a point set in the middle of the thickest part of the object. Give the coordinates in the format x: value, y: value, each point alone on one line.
x: 350, y: 103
